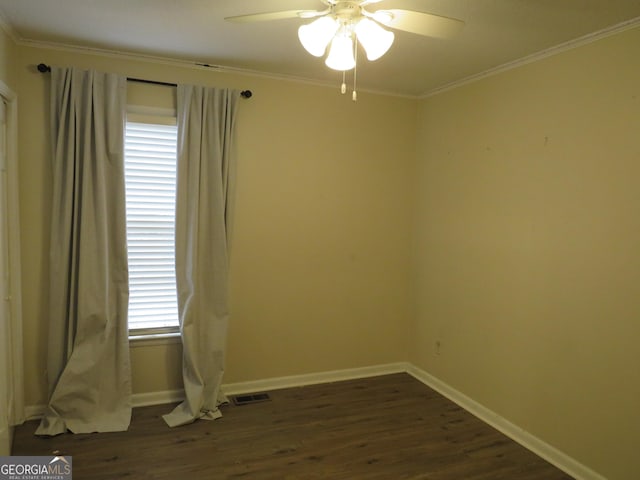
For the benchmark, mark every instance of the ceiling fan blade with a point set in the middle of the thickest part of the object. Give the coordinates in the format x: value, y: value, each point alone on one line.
x: 420, y: 23
x: 264, y: 17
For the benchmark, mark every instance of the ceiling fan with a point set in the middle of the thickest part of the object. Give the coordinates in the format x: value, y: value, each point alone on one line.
x: 344, y: 24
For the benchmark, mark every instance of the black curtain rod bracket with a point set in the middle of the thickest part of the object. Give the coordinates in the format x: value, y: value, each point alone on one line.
x: 42, y: 68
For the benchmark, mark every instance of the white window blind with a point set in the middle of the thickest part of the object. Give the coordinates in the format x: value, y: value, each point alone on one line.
x: 150, y: 179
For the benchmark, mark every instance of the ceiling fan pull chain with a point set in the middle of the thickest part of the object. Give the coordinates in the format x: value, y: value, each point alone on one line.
x: 343, y: 88
x: 354, y: 95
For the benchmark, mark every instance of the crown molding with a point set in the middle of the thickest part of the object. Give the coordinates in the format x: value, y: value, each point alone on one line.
x: 192, y: 64
x: 6, y: 26
x: 534, y: 57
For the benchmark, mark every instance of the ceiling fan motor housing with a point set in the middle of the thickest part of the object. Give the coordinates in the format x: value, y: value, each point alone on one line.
x: 348, y: 10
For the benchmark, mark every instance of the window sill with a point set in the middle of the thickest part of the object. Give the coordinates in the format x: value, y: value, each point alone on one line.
x: 152, y: 339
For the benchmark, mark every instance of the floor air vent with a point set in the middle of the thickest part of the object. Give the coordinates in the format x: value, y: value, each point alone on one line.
x: 250, y: 398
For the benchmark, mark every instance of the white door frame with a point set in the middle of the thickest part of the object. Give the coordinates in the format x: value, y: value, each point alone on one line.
x: 12, y: 343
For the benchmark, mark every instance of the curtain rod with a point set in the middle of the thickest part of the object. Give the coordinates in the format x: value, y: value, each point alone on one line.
x: 43, y: 68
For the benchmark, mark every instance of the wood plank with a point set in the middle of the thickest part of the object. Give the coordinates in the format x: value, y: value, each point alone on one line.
x: 387, y: 427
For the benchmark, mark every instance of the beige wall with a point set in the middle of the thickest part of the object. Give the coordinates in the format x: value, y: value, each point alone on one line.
x: 7, y: 48
x: 528, y: 248
x: 320, y: 263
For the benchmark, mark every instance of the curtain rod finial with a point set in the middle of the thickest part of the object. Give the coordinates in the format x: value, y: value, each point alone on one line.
x: 42, y: 68
x: 246, y: 93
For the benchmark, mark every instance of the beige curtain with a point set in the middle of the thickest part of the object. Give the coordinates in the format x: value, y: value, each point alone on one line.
x: 88, y: 356
x: 205, y: 189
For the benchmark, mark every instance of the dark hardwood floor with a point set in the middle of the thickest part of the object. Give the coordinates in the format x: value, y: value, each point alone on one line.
x: 389, y: 428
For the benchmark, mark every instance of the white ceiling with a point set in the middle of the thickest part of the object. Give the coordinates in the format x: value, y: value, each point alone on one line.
x: 496, y: 32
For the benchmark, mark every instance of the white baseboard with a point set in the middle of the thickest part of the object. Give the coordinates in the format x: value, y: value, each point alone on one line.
x: 156, y: 398
x: 277, y: 383
x: 33, y: 412
x: 524, y: 438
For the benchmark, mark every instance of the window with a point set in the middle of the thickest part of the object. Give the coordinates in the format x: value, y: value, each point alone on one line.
x: 150, y: 180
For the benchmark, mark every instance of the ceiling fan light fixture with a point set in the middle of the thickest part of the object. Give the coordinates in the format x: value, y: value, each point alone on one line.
x: 316, y: 35
x: 341, y: 51
x: 375, y: 40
